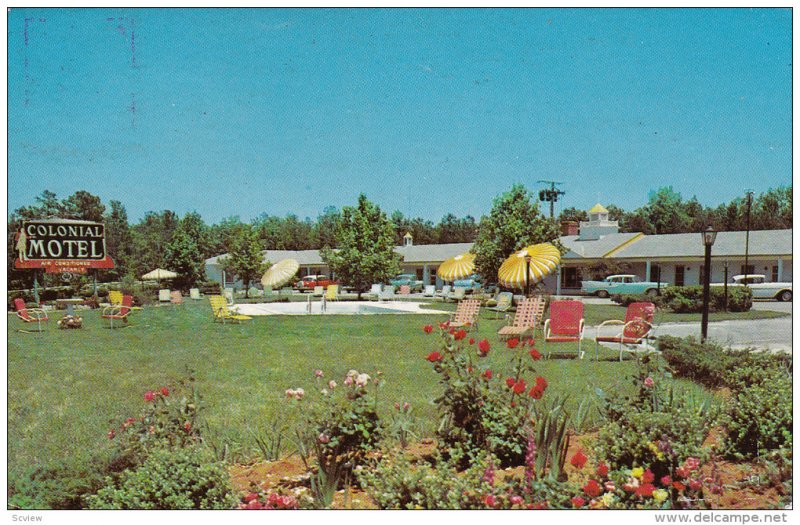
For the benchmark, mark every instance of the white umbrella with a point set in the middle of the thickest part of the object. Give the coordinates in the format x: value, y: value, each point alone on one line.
x: 158, y: 274
x: 280, y: 273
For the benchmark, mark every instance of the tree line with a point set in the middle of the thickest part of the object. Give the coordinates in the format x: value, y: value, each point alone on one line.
x: 182, y: 244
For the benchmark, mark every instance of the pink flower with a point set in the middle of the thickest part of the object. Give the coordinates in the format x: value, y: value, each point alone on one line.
x: 299, y: 393
x: 149, y: 395
x: 164, y: 391
x: 609, y: 486
x: 406, y: 406
x: 252, y: 496
x: 515, y: 500
x: 111, y: 434
x: 331, y: 384
x: 289, y: 393
x: 489, y: 500
x: 649, y: 383
x: 692, y: 463
x: 397, y: 406
x: 666, y: 481
x: 324, y: 438
x: 318, y: 373
x: 349, y: 380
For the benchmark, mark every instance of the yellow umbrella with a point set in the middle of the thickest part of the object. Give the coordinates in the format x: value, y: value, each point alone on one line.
x: 159, y: 273
x: 280, y: 273
x: 457, y: 267
x: 544, y: 258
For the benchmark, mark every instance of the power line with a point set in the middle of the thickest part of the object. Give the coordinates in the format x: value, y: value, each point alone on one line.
x: 551, y: 194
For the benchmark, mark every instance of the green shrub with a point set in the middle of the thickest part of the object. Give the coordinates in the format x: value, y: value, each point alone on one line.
x: 627, y: 299
x: 59, y: 485
x: 689, y: 299
x: 705, y: 363
x: 169, y: 479
x: 759, y: 419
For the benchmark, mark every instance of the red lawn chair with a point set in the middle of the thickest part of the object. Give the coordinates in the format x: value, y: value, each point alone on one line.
x: 29, y: 315
x: 119, y: 313
x: 637, y: 328
x: 565, y: 324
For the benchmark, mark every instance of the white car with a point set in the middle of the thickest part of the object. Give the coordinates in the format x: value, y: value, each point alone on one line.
x: 761, y: 288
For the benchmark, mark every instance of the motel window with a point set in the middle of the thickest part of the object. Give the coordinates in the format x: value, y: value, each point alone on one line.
x: 680, y: 272
x: 750, y: 269
x: 655, y: 273
x: 419, y: 274
x: 570, y: 277
x: 774, y: 274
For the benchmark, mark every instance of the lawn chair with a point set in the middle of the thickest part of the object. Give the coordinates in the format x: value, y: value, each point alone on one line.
x: 565, y: 324
x: 332, y: 293
x: 525, y: 319
x: 176, y: 297
x: 387, y: 294
x: 194, y: 293
x: 115, y: 297
x: 29, y: 315
x: 228, y: 296
x: 374, y: 291
x: 466, y: 314
x: 444, y: 292
x: 405, y: 290
x: 221, y: 311
x: 319, y: 291
x: 119, y: 313
x: 430, y: 290
x: 637, y: 328
x: 458, y: 294
x: 164, y: 296
x: 503, y: 303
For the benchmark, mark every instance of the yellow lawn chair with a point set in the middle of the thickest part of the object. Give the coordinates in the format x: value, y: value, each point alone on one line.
x: 115, y: 297
x: 332, y: 293
x: 219, y: 305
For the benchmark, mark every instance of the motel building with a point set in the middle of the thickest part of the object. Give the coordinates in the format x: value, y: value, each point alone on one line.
x: 676, y: 259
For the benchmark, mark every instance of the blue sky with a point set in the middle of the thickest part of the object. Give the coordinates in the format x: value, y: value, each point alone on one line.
x: 239, y: 112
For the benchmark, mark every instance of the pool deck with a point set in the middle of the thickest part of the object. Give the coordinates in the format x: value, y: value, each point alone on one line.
x: 335, y: 308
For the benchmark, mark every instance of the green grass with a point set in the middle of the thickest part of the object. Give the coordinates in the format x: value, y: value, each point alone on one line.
x: 595, y: 314
x: 66, y: 388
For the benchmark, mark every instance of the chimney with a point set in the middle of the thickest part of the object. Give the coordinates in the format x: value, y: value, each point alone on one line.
x: 569, y: 228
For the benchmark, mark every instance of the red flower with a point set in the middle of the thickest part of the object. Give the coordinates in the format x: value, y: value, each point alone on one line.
x: 472, y: 340
x: 678, y: 485
x: 428, y: 328
x: 510, y: 382
x: 535, y: 392
x: 666, y: 481
x: 515, y: 500
x: 648, y: 476
x: 250, y: 497
x: 578, y: 502
x: 695, y: 485
x: 483, y: 347
x: 164, y: 391
x: 487, y: 374
x: 592, y: 489
x: 520, y: 387
x: 645, y: 490
x: 535, y: 354
x: 512, y: 343
x: 149, y: 395
x: 602, y: 470
x: 187, y: 426
x: 434, y: 357
x: 578, y: 460
x: 111, y: 434
x: 461, y: 334
x: 469, y: 369
x: 682, y: 472
x: 541, y: 383
x: 538, y: 506
x: 489, y: 500
x: 531, y: 342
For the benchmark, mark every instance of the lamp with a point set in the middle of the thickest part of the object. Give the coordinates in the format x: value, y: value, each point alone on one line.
x: 709, y: 236
x: 527, y: 273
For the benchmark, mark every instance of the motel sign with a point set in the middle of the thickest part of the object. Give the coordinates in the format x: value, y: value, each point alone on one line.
x: 61, y: 245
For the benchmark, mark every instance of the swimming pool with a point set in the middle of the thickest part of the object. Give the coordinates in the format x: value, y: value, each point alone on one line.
x: 336, y: 308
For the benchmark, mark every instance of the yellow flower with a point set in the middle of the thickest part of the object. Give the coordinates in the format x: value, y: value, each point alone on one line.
x: 660, y: 495
x: 637, y: 472
x: 608, y: 498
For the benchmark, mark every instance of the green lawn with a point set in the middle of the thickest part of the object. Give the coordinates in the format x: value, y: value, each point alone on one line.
x: 67, y: 388
x: 597, y: 313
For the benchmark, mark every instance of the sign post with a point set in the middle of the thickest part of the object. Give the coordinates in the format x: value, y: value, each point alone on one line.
x: 61, y: 246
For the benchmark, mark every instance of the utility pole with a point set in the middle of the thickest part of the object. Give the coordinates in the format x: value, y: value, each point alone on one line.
x: 749, y: 203
x: 551, y: 194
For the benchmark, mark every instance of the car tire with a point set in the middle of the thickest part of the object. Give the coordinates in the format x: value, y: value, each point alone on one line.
x: 602, y: 294
x: 785, y: 296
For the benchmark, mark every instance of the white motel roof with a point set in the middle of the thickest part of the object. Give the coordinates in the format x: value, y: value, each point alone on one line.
x: 613, y: 246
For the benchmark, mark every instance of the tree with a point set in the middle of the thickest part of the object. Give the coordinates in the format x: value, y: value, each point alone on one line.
x: 84, y: 206
x: 573, y: 214
x: 365, y: 240
x: 327, y: 226
x: 184, y: 253
x: 119, y: 242
x: 514, y: 222
x: 452, y: 229
x: 151, y: 236
x: 245, y: 259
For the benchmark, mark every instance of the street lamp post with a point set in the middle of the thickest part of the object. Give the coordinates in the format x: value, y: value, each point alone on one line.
x: 527, y: 274
x: 709, y: 236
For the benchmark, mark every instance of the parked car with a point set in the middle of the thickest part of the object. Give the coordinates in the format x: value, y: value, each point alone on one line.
x: 472, y: 282
x: 621, y: 284
x: 760, y: 288
x: 408, y: 279
x: 310, y: 281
